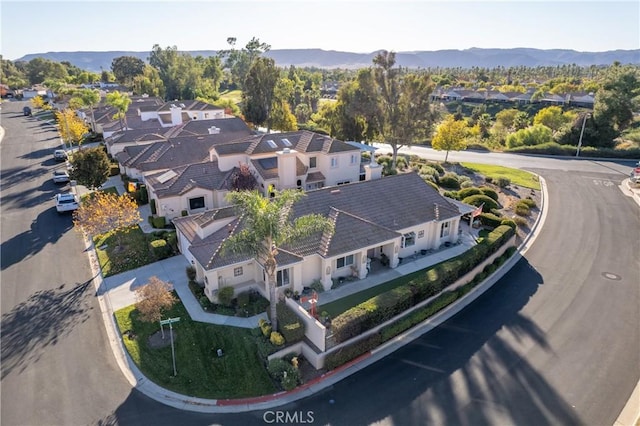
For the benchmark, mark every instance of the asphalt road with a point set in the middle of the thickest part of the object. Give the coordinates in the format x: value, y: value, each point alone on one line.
x: 556, y: 341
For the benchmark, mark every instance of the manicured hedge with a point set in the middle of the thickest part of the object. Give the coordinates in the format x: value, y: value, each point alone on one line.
x: 351, y: 351
x: 468, y: 192
x: 289, y: 324
x: 489, y: 192
x: 490, y: 219
x: 419, y: 287
x: 478, y: 200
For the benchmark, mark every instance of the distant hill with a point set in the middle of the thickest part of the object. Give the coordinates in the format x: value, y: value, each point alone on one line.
x: 468, y: 58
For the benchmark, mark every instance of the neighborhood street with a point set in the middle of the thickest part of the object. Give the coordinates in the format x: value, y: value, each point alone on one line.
x: 555, y: 341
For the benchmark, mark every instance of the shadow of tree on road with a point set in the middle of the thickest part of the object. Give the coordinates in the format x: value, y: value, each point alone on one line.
x: 40, y: 321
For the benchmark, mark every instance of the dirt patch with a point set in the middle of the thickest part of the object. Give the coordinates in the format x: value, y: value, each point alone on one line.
x: 156, y: 341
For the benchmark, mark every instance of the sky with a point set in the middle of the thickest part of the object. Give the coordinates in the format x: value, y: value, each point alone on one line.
x: 30, y: 27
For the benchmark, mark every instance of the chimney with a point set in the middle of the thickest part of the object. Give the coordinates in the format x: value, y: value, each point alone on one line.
x: 213, y: 130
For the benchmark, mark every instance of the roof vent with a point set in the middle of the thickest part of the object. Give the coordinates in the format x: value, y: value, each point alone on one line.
x: 213, y: 130
x: 335, y: 191
x: 286, y: 150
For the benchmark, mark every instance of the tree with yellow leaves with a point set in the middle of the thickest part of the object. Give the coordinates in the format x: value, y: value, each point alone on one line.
x: 104, y: 212
x: 450, y: 136
x: 72, y: 128
x: 153, y: 299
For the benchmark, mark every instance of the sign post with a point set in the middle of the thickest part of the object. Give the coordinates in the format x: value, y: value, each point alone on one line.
x: 173, y: 353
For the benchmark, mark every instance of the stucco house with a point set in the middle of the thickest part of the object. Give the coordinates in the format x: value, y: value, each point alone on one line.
x: 141, y: 153
x: 377, y: 220
x: 303, y: 160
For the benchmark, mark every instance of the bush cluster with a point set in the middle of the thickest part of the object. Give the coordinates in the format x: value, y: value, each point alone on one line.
x: 277, y: 368
x: 361, y: 346
x: 420, y: 286
x: 265, y: 327
x: 490, y: 220
x: 486, y: 202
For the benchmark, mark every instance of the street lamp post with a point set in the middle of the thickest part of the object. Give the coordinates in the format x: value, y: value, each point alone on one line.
x: 584, y: 121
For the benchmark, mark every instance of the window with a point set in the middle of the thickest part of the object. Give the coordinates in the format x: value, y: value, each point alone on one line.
x: 271, y: 143
x: 313, y: 162
x: 354, y: 159
x: 420, y: 234
x: 282, y: 278
x: 237, y: 271
x: 334, y: 162
x: 409, y: 239
x: 196, y: 203
x: 343, y: 182
x: 444, y: 230
x: 286, y: 142
x: 341, y: 262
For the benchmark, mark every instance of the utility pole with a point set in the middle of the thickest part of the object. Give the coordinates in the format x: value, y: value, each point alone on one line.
x: 584, y: 121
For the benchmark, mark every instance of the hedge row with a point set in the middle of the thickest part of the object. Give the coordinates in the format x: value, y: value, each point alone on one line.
x: 554, y: 148
x: 289, y: 324
x: 401, y: 324
x: 419, y: 287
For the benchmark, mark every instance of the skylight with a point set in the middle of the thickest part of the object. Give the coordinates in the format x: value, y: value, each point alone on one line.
x: 286, y: 142
x: 166, y: 176
x: 271, y: 143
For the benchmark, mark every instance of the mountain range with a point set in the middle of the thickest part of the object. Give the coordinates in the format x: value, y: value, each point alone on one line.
x: 468, y: 58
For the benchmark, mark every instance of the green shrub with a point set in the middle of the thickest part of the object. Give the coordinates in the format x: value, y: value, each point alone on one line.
x: 184, y: 213
x: 438, y: 167
x: 503, y: 182
x: 451, y: 194
x: 522, y: 210
x: 432, y: 184
x: 159, y: 222
x: 528, y: 202
x: 152, y: 206
x: 489, y: 192
x: 449, y: 180
x: 490, y: 220
x: 487, y: 203
x: 317, y: 286
x: 276, y: 338
x: 351, y: 351
x: 225, y: 296
x: 508, y: 222
x: 289, y: 325
x: 488, y: 179
x: 466, y: 184
x: 160, y: 249
x: 521, y: 221
x: 468, y: 192
x: 114, y: 170
x: 172, y: 240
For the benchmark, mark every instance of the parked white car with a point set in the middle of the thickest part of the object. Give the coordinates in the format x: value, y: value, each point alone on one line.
x: 60, y: 155
x: 67, y: 202
x: 60, y: 176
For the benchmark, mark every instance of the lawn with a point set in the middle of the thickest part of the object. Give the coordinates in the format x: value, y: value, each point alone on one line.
x: 234, y: 95
x: 516, y: 176
x: 133, y: 251
x: 200, y: 372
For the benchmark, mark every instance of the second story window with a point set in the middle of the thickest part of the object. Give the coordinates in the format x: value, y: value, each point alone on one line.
x: 334, y: 162
x: 313, y: 162
x: 354, y: 159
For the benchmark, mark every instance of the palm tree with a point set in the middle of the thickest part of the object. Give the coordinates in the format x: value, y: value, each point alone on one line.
x: 266, y: 225
x: 90, y: 98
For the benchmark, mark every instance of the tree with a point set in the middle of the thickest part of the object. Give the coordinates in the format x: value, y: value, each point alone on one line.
x: 395, y: 105
x: 553, y: 118
x: 126, y: 68
x: 72, y: 128
x: 257, y: 96
x: 533, y: 135
x: 104, y: 212
x: 618, y: 98
x: 506, y: 117
x: 88, y: 98
x: 153, y: 299
x: 91, y: 167
x: 266, y: 225
x: 149, y: 82
x: 239, y: 62
x: 450, y: 136
x: 121, y: 102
